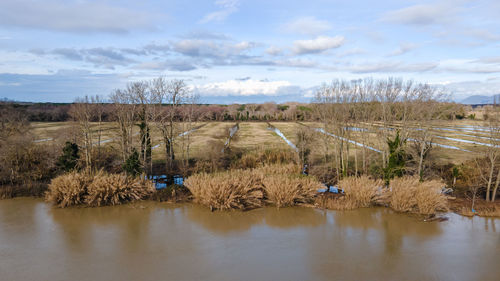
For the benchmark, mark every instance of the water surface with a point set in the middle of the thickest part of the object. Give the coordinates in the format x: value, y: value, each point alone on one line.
x: 160, y: 241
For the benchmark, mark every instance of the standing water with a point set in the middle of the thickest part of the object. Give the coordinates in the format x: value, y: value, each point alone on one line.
x: 158, y: 241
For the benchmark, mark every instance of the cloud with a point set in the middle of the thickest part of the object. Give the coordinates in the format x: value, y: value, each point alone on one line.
x: 423, y: 14
x: 307, y: 26
x: 391, y: 67
x: 243, y: 78
x: 206, y: 48
x: 403, y: 49
x: 204, y: 34
x: 463, y: 89
x: 351, y: 52
x: 227, y: 7
x: 244, y: 87
x: 62, y: 86
x: 317, y: 45
x: 481, y: 66
x: 100, y: 57
x: 172, y: 65
x: 489, y: 60
x: 274, y: 51
x: 72, y: 16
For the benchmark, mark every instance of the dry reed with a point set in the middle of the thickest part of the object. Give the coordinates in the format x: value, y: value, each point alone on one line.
x: 69, y: 189
x: 408, y: 194
x: 361, y: 191
x: 285, y: 190
x: 280, y: 185
x: 238, y: 189
x: 96, y: 190
x: 115, y: 189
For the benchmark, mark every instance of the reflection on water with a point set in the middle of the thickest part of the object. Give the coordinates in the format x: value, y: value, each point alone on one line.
x: 158, y: 241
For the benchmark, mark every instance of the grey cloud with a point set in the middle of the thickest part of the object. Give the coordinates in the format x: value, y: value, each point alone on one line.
x: 72, y: 16
x: 213, y: 49
x: 99, y: 57
x: 172, y: 65
x: 243, y: 78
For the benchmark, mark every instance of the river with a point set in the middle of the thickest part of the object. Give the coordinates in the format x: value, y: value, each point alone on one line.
x: 161, y: 241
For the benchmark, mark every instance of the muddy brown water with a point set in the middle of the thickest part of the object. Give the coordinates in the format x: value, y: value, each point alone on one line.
x: 159, y: 241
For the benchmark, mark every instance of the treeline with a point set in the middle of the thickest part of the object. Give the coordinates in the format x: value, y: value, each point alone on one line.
x: 291, y: 111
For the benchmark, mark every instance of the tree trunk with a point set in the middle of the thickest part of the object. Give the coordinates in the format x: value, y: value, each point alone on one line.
x: 497, y: 183
x: 490, y: 179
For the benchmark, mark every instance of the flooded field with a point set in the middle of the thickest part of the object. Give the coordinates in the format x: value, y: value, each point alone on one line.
x: 158, y: 241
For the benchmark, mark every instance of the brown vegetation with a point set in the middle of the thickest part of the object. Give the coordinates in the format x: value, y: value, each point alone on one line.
x: 237, y: 189
x: 280, y: 185
x: 98, y: 189
x: 405, y: 194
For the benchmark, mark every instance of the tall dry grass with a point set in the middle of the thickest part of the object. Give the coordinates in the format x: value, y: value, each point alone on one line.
x: 284, y: 190
x: 115, y: 189
x: 408, y: 194
x: 238, y: 189
x: 69, y: 189
x: 361, y: 191
x: 280, y: 185
x: 98, y: 189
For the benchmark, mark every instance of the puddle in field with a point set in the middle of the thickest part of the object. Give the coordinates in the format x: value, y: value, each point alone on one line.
x: 279, y: 133
x: 321, y: 130
x: 158, y: 241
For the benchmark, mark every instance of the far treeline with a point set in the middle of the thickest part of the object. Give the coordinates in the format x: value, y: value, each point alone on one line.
x: 394, y: 107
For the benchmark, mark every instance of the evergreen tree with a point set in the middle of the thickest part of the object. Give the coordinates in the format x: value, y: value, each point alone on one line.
x: 397, y: 159
x: 132, y: 165
x: 69, y: 158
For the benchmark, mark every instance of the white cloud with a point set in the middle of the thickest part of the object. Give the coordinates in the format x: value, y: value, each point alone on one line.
x: 72, y: 16
x: 307, y: 26
x: 423, y: 14
x: 317, y: 45
x: 391, y: 67
x: 403, y: 49
x: 351, y: 52
x: 274, y: 51
x: 241, y: 87
x: 227, y: 7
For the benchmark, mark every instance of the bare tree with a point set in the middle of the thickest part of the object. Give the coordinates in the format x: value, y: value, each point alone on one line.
x: 98, y: 111
x: 173, y: 94
x: 492, y: 152
x: 81, y: 111
x: 124, y: 113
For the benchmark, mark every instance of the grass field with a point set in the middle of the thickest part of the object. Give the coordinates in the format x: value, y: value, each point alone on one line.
x: 453, y: 141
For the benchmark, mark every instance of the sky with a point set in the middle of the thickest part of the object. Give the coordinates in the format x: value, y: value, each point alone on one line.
x: 236, y: 51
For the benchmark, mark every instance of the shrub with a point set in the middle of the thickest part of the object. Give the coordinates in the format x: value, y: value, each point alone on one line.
x: 281, y: 185
x: 429, y: 197
x: 285, y: 190
x: 96, y: 190
x: 68, y: 189
x: 238, y: 189
x: 408, y: 194
x: 115, y: 189
x: 69, y: 158
x: 361, y: 191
